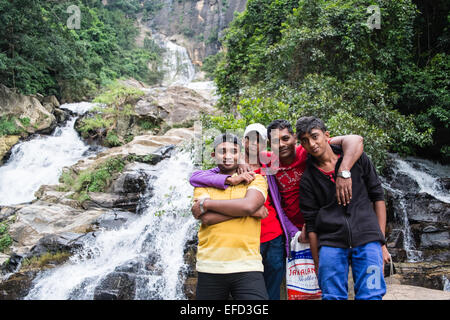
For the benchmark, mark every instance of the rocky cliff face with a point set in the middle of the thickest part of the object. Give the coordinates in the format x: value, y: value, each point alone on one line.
x: 196, y: 25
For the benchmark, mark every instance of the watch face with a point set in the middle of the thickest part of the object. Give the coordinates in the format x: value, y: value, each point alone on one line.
x: 345, y: 174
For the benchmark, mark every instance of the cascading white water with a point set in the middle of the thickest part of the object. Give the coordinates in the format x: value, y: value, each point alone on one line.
x: 177, y: 66
x: 426, y: 174
x: 39, y: 161
x: 158, y: 235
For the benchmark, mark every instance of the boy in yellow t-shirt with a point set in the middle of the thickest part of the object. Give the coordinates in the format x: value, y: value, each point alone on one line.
x: 228, y: 258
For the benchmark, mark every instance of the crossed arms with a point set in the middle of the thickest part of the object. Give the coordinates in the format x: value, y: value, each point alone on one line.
x: 217, y: 211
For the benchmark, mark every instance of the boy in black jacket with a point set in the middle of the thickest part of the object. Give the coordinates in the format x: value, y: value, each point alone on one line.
x: 342, y: 234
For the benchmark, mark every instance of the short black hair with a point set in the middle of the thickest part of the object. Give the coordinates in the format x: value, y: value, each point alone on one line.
x: 279, y: 124
x: 227, y: 137
x: 306, y: 124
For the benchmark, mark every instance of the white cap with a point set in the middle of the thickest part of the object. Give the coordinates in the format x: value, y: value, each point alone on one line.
x: 258, y: 127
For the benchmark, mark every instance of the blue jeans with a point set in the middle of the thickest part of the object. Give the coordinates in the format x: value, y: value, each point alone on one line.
x: 274, y: 262
x: 367, y: 269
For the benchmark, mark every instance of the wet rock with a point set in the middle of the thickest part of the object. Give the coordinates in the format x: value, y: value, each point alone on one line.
x: 114, y: 219
x: 435, y: 240
x: 6, y: 143
x: 423, y: 207
x: 7, y: 212
x: 17, y: 286
x: 116, y: 286
x: 430, y: 275
x: 134, y: 178
x: 53, y: 243
x: 103, y: 200
x: 39, y: 219
x: 444, y: 182
x: 190, y: 288
x: 129, y: 267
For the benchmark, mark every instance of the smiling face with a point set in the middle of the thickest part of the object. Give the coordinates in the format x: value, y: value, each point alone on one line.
x: 315, y: 142
x: 226, y: 156
x: 283, y: 143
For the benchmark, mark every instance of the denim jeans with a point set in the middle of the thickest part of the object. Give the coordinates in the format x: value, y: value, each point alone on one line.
x: 367, y: 269
x: 274, y: 262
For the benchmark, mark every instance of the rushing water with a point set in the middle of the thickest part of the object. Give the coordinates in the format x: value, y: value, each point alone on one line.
x: 39, y: 161
x: 153, y: 244
x: 177, y: 66
x: 427, y: 175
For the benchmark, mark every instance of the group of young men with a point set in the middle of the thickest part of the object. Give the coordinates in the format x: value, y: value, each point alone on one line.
x: 252, y: 204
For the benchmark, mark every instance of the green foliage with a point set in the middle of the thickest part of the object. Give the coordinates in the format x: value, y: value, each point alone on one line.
x: 115, y: 101
x: 210, y: 64
x: 8, y: 126
x: 318, y: 57
x: 355, y: 106
x: 112, y: 139
x: 93, y: 180
x: 25, y: 121
x: 39, y: 53
x: 376, y: 141
x: 5, y: 238
x: 47, y: 258
x: 116, y: 94
x: 93, y: 124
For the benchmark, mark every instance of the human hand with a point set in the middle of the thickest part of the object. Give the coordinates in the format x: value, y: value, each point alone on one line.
x: 245, y: 177
x: 196, y: 211
x: 243, y: 168
x: 303, y: 236
x: 261, y: 213
x: 343, y: 190
x: 386, y: 256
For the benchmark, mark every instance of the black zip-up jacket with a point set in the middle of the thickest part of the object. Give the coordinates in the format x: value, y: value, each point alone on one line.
x: 336, y: 225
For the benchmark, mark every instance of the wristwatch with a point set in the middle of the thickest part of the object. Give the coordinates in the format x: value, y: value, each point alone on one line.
x: 344, y: 174
x: 202, y: 209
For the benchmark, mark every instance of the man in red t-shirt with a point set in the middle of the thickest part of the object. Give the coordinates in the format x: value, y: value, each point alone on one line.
x: 288, y: 162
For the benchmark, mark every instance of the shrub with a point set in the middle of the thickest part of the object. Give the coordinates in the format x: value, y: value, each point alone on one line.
x: 92, y: 180
x: 359, y: 105
x: 8, y: 126
x: 5, y: 238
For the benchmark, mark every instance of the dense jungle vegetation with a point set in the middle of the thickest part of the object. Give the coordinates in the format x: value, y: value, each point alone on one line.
x: 289, y: 58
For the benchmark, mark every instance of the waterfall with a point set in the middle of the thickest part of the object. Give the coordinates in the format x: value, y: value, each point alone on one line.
x: 423, y: 176
x: 177, y: 66
x: 39, y: 160
x: 426, y: 174
x: 151, y: 246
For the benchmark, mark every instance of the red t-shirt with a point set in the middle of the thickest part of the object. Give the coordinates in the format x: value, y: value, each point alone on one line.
x: 328, y: 173
x: 288, y: 178
x: 270, y: 226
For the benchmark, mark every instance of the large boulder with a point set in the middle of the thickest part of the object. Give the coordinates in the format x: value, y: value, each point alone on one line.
x: 40, y: 219
x: 20, y: 106
x: 174, y: 105
x: 6, y: 143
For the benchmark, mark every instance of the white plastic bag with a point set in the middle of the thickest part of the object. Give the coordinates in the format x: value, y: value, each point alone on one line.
x: 301, y: 279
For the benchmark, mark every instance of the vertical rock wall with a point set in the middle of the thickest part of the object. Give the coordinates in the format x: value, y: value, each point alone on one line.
x: 196, y: 25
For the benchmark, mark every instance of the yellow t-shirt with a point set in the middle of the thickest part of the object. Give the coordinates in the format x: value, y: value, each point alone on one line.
x: 230, y: 246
